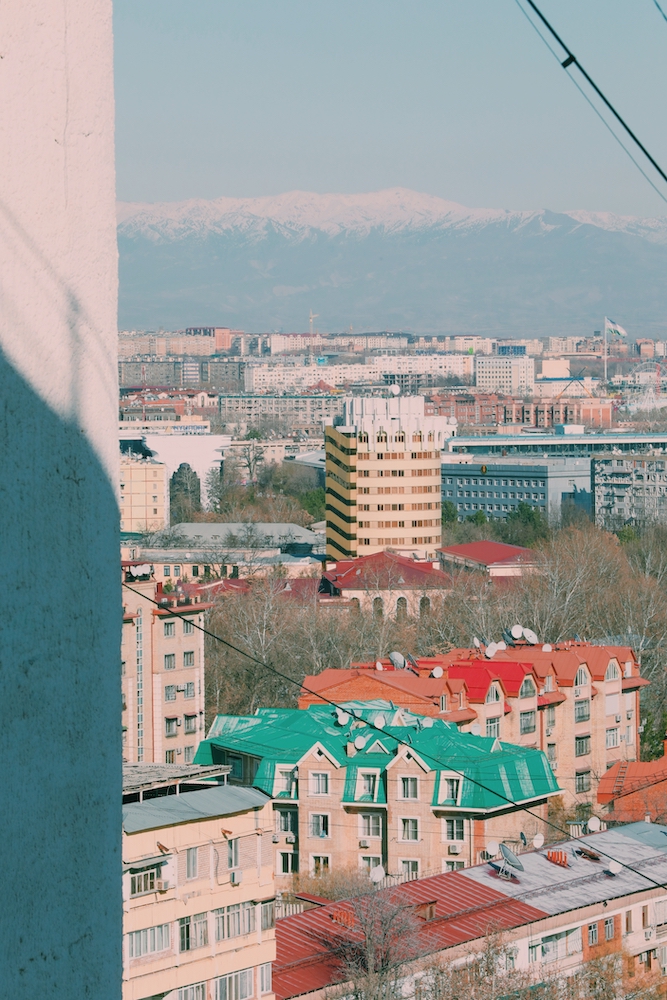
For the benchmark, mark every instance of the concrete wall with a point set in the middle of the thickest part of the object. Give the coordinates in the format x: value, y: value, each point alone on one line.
x: 59, y: 648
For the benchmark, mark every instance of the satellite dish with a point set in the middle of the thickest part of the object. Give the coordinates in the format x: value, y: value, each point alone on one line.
x: 378, y: 665
x: 377, y: 873
x: 398, y: 660
x: 342, y: 718
x: 524, y: 840
x: 516, y: 631
x: 476, y: 729
x: 492, y: 848
x: 614, y: 867
x: 427, y: 722
x: 437, y: 672
x: 490, y: 650
x: 501, y: 646
x: 476, y: 643
x: 411, y: 660
x: 510, y: 857
x: 380, y: 720
x: 359, y: 742
x: 547, y: 647
x: 529, y: 636
x: 395, y: 390
x: 538, y: 840
x: 594, y: 824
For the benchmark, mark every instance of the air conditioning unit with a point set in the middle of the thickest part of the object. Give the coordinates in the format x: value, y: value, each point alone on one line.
x: 553, y: 764
x: 648, y: 934
x: 618, y: 718
x: 276, y: 838
x: 454, y: 849
x: 161, y: 885
x: 549, y: 731
x: 236, y: 877
x: 628, y: 714
x: 577, y: 692
x: 364, y: 844
x: 290, y: 838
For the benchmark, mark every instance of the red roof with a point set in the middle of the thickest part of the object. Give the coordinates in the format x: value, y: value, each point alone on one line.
x: 488, y: 553
x: 479, y: 674
x: 385, y: 570
x: 631, y: 776
x: 464, y: 910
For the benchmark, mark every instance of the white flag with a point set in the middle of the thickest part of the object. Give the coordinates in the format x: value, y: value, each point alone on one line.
x: 615, y: 328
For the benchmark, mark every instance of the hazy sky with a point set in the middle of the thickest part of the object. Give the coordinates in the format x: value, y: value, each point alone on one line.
x: 457, y: 98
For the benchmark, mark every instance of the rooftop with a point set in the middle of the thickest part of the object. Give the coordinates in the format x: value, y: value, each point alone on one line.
x: 139, y: 778
x: 172, y: 810
x: 384, y: 570
x: 488, y: 553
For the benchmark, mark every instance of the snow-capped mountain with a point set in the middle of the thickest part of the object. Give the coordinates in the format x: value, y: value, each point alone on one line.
x: 389, y: 259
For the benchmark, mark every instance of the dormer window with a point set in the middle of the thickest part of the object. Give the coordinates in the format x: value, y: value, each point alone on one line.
x: 527, y: 689
x: 613, y: 672
x: 581, y: 679
x: 450, y: 790
x: 443, y: 702
x: 492, y: 695
x: 548, y: 683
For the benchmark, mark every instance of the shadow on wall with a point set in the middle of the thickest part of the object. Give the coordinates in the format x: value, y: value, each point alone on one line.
x: 60, y: 680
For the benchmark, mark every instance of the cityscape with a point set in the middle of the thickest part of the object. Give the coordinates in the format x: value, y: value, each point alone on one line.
x: 338, y: 508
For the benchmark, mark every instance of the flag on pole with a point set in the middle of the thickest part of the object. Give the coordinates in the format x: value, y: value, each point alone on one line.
x: 615, y: 328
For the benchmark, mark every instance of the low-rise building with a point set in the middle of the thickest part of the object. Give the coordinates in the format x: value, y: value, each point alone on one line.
x: 386, y: 583
x: 635, y: 790
x: 370, y: 784
x: 198, y: 894
x: 144, y: 494
x: 629, y: 489
x: 495, y: 558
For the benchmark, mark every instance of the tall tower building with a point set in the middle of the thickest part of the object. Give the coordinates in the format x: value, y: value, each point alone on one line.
x: 383, y: 477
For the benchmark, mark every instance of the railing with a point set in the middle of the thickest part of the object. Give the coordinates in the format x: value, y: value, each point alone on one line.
x: 287, y: 909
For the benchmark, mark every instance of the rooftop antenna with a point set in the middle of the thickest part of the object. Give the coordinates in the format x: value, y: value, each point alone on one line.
x: 398, y: 660
x: 509, y: 862
x: 529, y: 636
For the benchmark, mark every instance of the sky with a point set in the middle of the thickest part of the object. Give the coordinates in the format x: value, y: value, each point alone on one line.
x: 455, y: 98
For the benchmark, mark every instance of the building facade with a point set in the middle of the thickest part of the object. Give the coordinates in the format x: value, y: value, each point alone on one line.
x: 514, y: 376
x: 301, y: 411
x: 162, y: 667
x: 629, y: 489
x: 383, y: 477
x: 198, y: 896
x: 144, y: 494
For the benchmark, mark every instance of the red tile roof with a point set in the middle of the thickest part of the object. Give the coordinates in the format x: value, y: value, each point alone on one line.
x: 385, y: 570
x: 479, y: 674
x: 488, y: 553
x: 464, y: 910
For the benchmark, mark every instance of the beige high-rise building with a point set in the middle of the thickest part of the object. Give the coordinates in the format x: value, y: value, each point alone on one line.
x: 383, y: 477
x: 144, y: 494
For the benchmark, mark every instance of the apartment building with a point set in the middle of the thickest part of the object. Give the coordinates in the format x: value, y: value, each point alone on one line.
x: 390, y: 369
x: 162, y: 667
x: 409, y: 793
x: 301, y: 411
x: 198, y: 895
x: 514, y: 376
x: 144, y: 494
x: 629, y: 489
x: 383, y: 477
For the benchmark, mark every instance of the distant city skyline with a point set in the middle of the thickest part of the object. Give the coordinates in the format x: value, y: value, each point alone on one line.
x: 459, y: 101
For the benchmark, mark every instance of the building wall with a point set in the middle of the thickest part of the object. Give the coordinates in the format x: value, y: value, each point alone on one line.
x: 58, y: 266
x: 629, y: 490
x: 298, y: 411
x: 511, y: 375
x: 171, y: 969
x: 149, y: 636
x: 144, y: 495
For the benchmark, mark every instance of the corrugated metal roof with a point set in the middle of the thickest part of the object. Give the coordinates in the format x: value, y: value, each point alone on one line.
x: 174, y: 809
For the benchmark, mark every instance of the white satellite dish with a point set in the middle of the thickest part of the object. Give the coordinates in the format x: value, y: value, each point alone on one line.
x: 395, y: 390
x: 529, y: 636
x: 594, y: 824
x: 398, y: 660
x: 492, y: 848
x: 342, y: 718
x: 437, y: 672
x: 377, y: 873
x: 476, y: 729
x: 359, y: 743
x: 511, y: 858
x: 500, y: 646
x: 427, y: 722
x: 476, y: 643
x: 538, y: 840
x: 380, y: 721
x: 614, y: 867
x: 547, y: 647
x: 490, y: 650
x: 378, y: 665
x: 516, y: 631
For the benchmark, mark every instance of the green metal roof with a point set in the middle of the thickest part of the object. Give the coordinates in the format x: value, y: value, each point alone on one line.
x: 491, y: 772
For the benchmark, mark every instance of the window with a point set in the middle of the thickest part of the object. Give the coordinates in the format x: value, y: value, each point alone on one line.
x: 410, y: 868
x: 170, y: 692
x: 319, y: 783
x: 371, y: 825
x: 233, y: 921
x: 319, y: 825
x: 527, y: 722
x: 265, y: 978
x: 644, y: 917
x: 167, y: 571
x: 289, y: 862
x: 592, y: 934
x: 493, y: 727
x: 189, y: 691
x: 171, y: 727
x: 533, y: 952
x: 288, y: 821
x: 238, y: 986
x: 188, y: 754
x: 582, y: 781
x: 191, y: 866
x: 233, y: 853
x: 611, y: 738
x: 196, y: 992
x: 195, y: 570
x: 188, y: 627
x: 169, y: 630
x: 582, y: 710
x: 320, y: 864
x: 454, y: 829
x: 409, y: 829
x: 443, y: 702
x: 370, y: 861
x: 177, y: 570
x: 551, y: 752
x: 581, y: 678
x: 550, y: 715
x: 452, y: 787
x: 193, y: 931
x: 454, y: 866
x: 236, y: 764
x: 548, y: 683
x: 285, y: 782
x: 368, y: 783
x: 628, y: 921
x: 190, y: 723
x: 268, y: 914
x: 188, y: 659
x: 169, y: 756
x: 492, y: 695
x: 609, y: 929
x: 170, y: 661
x: 149, y: 940
x: 143, y: 882
x: 409, y: 788
x: 527, y: 689
x: 582, y: 745
x: 612, y: 672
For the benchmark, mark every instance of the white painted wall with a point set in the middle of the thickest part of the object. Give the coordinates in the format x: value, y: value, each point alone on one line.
x: 59, y: 636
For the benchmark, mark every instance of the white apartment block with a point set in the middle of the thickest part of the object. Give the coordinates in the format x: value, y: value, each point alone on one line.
x: 510, y: 375
x: 144, y: 494
x: 289, y: 378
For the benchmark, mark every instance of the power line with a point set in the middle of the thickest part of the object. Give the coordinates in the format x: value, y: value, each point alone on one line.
x: 660, y: 9
x: 571, y: 60
x: 266, y: 666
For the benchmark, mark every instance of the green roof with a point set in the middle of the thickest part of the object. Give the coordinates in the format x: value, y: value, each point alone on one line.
x: 490, y: 772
